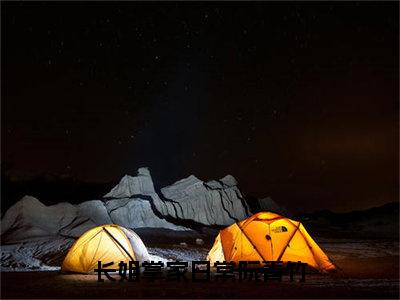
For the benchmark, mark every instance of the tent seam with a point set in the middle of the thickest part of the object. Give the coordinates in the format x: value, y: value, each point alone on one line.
x: 284, y: 250
x: 118, y: 243
x: 259, y: 253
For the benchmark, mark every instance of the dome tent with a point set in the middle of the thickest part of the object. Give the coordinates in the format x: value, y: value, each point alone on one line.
x: 267, y: 236
x: 106, y: 243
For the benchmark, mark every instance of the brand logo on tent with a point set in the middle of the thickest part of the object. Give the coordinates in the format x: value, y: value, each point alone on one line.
x: 279, y: 229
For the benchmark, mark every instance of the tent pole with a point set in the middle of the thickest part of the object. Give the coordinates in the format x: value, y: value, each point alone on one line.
x: 119, y: 244
x: 250, y: 241
x: 284, y: 249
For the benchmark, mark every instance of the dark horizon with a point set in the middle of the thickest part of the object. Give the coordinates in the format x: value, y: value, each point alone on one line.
x: 297, y: 102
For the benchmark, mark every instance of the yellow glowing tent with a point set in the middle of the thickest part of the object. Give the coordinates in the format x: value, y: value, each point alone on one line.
x: 106, y: 243
x: 267, y: 236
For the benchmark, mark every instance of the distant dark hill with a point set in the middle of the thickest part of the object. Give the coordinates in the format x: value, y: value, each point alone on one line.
x: 50, y: 190
x: 376, y: 222
x: 266, y: 204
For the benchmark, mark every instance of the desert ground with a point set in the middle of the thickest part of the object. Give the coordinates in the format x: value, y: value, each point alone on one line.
x: 367, y: 269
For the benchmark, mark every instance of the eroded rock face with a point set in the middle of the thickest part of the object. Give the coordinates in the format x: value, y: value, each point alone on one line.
x: 137, y: 213
x: 129, y: 186
x: 216, y: 202
x: 134, y: 203
x: 209, y: 203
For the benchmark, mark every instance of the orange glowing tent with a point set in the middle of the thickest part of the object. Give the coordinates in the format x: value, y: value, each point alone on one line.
x: 106, y: 243
x: 267, y: 236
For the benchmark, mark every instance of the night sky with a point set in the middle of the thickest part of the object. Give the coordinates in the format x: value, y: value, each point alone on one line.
x: 297, y: 101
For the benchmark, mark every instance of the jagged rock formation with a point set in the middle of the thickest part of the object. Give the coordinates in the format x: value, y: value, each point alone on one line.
x: 133, y: 203
x: 188, y: 201
x: 209, y: 203
x: 30, y: 229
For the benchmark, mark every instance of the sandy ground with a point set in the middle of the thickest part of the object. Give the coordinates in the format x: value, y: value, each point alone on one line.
x: 368, y: 269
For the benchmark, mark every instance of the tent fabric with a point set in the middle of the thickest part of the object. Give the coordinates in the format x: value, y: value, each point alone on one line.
x: 268, y: 236
x: 106, y: 243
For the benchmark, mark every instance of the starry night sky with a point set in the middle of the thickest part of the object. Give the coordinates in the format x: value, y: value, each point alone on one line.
x: 297, y: 101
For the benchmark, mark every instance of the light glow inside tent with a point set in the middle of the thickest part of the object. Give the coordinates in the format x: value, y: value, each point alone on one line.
x: 267, y: 236
x: 106, y: 243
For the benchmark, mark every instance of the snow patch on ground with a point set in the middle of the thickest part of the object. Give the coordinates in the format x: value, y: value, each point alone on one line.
x: 177, y: 253
x: 18, y: 259
x: 22, y: 260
